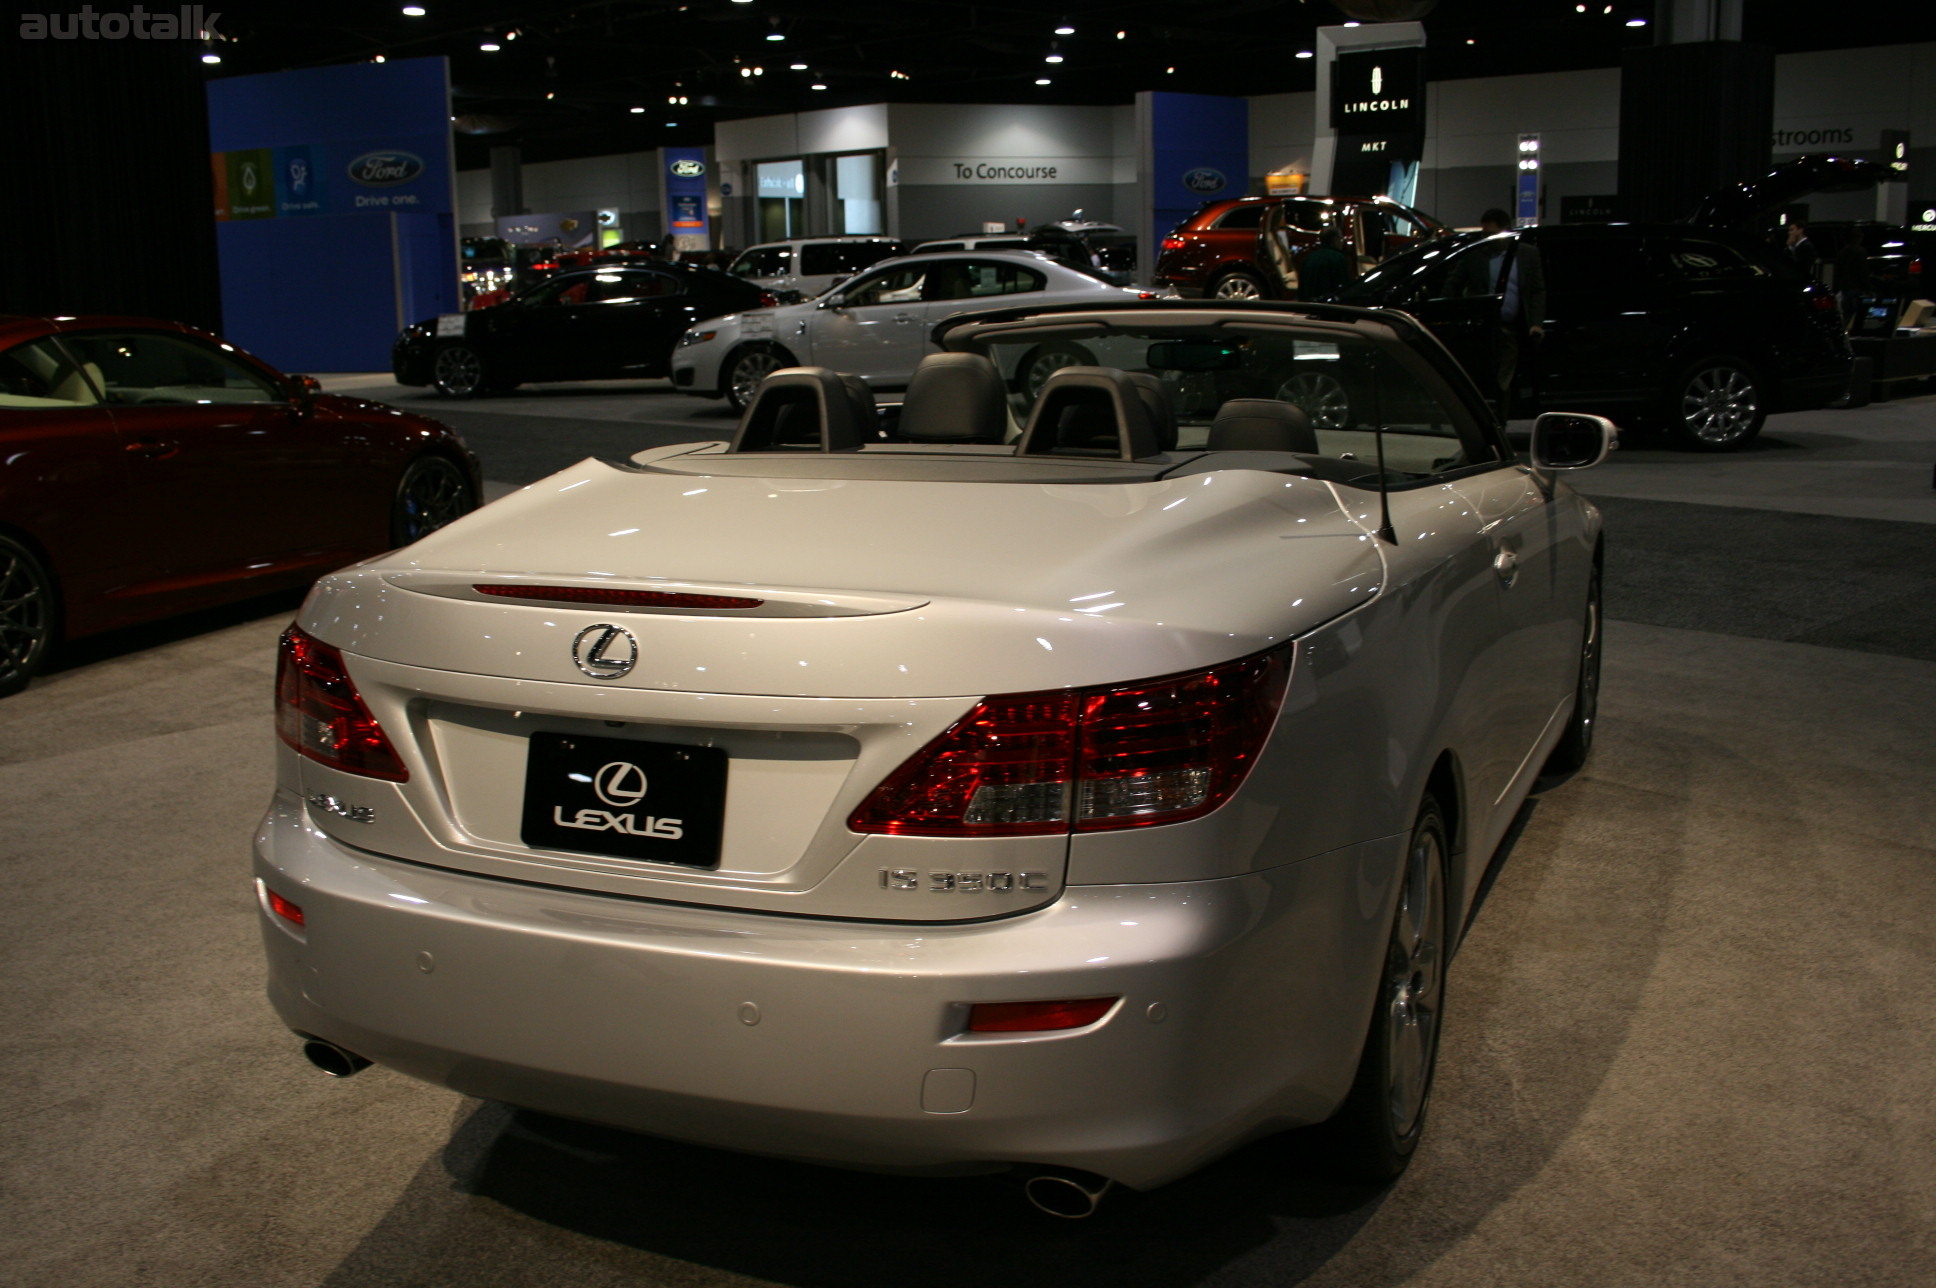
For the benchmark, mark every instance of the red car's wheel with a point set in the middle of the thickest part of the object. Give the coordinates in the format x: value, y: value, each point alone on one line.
x: 26, y: 615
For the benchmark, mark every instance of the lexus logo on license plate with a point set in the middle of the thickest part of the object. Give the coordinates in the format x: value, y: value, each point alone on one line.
x: 605, y: 651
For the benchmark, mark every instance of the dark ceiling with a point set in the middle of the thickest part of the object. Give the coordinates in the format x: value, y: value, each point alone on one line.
x: 566, y: 78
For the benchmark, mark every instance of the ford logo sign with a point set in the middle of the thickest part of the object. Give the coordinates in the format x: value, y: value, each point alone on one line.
x: 688, y: 169
x: 385, y: 169
x: 1205, y: 180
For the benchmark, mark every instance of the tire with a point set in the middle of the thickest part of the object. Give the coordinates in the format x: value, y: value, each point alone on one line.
x: 1716, y: 405
x: 1375, y: 1133
x: 459, y: 371
x: 433, y: 491
x: 1570, y: 752
x: 1043, y: 361
x: 1237, y: 285
x: 28, y: 616
x: 1322, y: 398
x: 750, y: 365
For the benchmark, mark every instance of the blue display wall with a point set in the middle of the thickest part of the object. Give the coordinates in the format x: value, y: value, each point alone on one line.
x: 1199, y: 151
x: 335, y: 205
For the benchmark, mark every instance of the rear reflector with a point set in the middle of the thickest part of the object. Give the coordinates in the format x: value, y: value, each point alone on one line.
x: 282, y: 907
x: 1035, y: 1017
x: 320, y: 713
x: 1174, y: 243
x: 1086, y: 760
x: 618, y: 598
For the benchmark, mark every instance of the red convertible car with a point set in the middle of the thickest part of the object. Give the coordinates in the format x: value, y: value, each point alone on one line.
x: 148, y: 469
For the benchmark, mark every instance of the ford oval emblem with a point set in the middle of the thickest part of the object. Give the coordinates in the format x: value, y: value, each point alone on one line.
x: 1205, y: 180
x: 385, y: 169
x: 688, y: 169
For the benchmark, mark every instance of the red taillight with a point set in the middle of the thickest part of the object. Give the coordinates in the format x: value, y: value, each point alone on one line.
x: 283, y: 908
x: 320, y: 713
x: 1174, y: 243
x: 1036, y: 1017
x: 1822, y: 303
x: 618, y: 598
x: 1088, y: 760
x: 768, y: 300
x: 1146, y: 295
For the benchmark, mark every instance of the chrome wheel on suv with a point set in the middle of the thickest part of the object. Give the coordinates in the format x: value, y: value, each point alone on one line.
x: 458, y: 371
x: 1237, y: 286
x: 1718, y: 405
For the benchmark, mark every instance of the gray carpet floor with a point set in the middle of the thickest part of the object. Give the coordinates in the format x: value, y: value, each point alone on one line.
x: 1689, y: 1037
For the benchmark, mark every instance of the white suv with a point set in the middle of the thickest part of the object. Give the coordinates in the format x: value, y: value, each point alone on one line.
x: 809, y: 265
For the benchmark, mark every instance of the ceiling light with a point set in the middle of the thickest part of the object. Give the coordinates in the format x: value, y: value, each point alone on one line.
x: 672, y: 125
x: 490, y: 46
x: 550, y: 94
x: 1053, y: 58
x: 513, y: 34
x: 378, y: 59
x: 638, y: 111
x: 774, y: 35
x: 798, y: 67
x: 1636, y: 22
x: 1122, y: 35
x: 746, y: 71
x: 759, y: 71
x: 1304, y: 53
x: 1169, y: 71
x: 1351, y: 24
x: 1065, y: 30
x: 211, y: 58
x: 413, y: 11
x: 1043, y: 80
x: 818, y: 85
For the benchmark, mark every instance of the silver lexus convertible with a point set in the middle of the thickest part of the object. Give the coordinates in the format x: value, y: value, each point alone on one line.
x: 1085, y: 778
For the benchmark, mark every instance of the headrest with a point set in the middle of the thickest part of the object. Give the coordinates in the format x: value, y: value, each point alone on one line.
x: 1261, y: 425
x: 955, y: 398
x: 1090, y: 411
x: 808, y: 409
x: 1162, y: 408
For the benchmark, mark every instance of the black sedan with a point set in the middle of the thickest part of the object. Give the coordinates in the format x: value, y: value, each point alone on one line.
x: 598, y: 324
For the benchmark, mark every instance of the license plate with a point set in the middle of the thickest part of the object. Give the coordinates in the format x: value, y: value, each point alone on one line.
x: 656, y: 801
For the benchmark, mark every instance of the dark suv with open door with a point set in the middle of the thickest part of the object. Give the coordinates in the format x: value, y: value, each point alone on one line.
x: 1700, y: 327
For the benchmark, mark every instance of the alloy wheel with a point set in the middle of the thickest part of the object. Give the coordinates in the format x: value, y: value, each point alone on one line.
x: 433, y: 493
x: 458, y: 371
x: 1322, y: 399
x: 1414, y: 983
x: 26, y: 615
x: 1720, y: 405
x: 749, y: 369
x: 1238, y: 286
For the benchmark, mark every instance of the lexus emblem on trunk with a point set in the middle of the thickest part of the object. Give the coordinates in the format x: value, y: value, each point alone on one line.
x: 604, y: 651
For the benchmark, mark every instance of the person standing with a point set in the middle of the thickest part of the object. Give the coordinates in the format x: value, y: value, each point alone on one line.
x: 1325, y: 269
x: 1509, y: 268
x: 1802, y: 250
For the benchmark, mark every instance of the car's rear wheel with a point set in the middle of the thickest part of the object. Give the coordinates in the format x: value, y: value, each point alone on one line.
x: 1717, y: 405
x: 27, y: 615
x: 433, y: 491
x: 458, y: 371
x: 1043, y: 361
x: 1570, y: 753
x: 1378, y: 1128
x: 750, y: 365
x: 1237, y: 285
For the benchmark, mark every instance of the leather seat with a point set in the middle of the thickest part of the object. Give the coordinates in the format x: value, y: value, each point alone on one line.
x: 955, y: 398
x: 1262, y: 425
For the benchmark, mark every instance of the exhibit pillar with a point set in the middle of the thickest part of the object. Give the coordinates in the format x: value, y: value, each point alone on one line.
x: 507, y: 181
x: 1192, y: 148
x: 1378, y: 130
x: 1697, y: 111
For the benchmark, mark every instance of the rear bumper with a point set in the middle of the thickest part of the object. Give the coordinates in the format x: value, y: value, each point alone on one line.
x: 1244, y: 1004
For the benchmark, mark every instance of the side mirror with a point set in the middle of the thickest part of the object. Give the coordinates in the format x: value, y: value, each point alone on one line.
x: 306, y: 386
x: 1565, y: 440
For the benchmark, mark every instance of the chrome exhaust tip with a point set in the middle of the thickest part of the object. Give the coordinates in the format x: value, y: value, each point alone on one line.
x: 332, y: 1059
x: 1070, y: 1195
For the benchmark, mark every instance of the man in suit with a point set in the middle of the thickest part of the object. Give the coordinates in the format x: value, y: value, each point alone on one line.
x: 1509, y: 268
